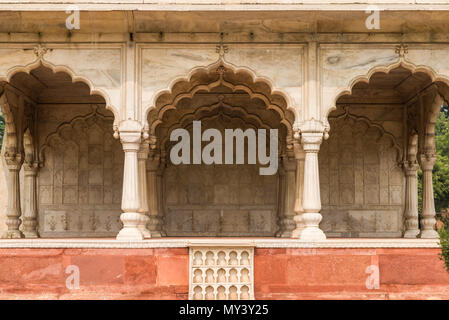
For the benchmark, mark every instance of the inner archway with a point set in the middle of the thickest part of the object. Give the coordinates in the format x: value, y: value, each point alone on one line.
x: 60, y: 138
x: 220, y: 199
x: 381, y: 132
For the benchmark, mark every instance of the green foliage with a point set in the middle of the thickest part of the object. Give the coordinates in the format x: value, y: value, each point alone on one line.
x: 444, y: 244
x: 441, y: 180
x: 441, y: 168
x: 2, y: 129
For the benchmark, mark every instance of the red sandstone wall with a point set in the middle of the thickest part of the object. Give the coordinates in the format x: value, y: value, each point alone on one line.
x: 104, y: 273
x: 279, y: 273
x: 341, y: 274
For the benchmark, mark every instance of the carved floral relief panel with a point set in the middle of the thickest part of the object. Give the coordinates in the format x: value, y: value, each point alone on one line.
x: 361, y: 182
x: 80, y: 183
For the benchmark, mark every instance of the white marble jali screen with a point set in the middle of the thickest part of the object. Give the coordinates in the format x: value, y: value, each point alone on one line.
x: 221, y: 273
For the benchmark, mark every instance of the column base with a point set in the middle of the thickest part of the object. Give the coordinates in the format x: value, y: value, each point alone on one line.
x: 410, y: 234
x: 31, y: 234
x: 143, y: 227
x: 296, y: 234
x: 156, y: 234
x: 12, y: 234
x: 311, y: 229
x: 130, y: 231
x: 429, y: 234
x: 285, y: 234
x: 312, y: 234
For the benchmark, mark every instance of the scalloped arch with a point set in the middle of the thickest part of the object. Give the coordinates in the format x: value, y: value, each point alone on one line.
x: 69, y: 124
x: 371, y: 124
x: 190, y: 116
x: 209, y: 117
x: 65, y: 69
x: 433, y: 75
x: 235, y: 69
x: 10, y: 136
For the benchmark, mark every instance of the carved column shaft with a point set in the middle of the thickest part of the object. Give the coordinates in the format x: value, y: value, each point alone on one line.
x: 130, y: 136
x: 281, y: 201
x: 155, y: 224
x: 311, y: 194
x: 142, y: 157
x: 411, y: 200
x: 30, y: 205
x: 287, y: 222
x: 13, y: 212
x: 428, y: 220
x: 160, y: 202
x: 300, y: 157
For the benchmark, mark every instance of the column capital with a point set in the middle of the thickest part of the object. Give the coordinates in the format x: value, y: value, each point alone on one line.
x: 144, y: 150
x: 31, y: 168
x: 130, y: 132
x: 288, y: 162
x: 311, y: 141
x: 154, y: 161
x: 311, y: 133
x: 13, y: 160
x: 410, y: 168
x: 428, y: 161
x: 298, y: 150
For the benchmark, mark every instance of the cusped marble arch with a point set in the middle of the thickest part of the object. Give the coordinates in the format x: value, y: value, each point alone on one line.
x: 371, y: 124
x: 433, y: 75
x: 274, y: 92
x: 65, y: 69
x: 253, y: 119
x: 58, y: 134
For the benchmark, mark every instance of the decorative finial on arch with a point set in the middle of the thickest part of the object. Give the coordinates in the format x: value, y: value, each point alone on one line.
x: 40, y: 51
x: 221, y: 49
x: 401, y: 50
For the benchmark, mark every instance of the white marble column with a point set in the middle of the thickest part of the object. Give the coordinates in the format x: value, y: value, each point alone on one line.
x: 300, y: 157
x: 153, y: 196
x: 428, y: 220
x: 30, y: 206
x: 142, y: 157
x: 287, y: 222
x: 130, y: 136
x: 281, y: 195
x: 13, y: 213
x: 411, y: 189
x: 311, y: 217
x: 160, y: 200
x: 411, y: 200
